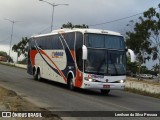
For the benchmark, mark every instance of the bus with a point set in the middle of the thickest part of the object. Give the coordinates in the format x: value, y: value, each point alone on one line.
x: 82, y: 58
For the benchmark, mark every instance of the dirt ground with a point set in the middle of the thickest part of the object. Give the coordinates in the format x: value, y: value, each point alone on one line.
x: 10, y: 101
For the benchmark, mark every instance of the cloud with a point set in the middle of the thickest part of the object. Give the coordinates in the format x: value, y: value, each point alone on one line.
x: 36, y: 15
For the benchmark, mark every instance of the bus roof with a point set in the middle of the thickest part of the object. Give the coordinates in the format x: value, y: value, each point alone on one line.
x: 86, y: 30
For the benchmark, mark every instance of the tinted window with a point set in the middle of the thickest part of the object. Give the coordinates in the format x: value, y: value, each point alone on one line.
x: 70, y: 38
x: 94, y: 40
x: 104, y: 41
x: 49, y: 42
x: 40, y: 43
x: 56, y: 42
x: 116, y: 42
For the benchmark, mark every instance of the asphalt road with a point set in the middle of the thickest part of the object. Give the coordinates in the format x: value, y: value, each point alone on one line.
x: 57, y: 97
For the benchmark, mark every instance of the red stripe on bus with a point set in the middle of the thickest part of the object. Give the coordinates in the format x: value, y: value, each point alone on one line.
x: 79, y: 75
x: 32, y: 56
x: 79, y: 79
x: 73, y: 55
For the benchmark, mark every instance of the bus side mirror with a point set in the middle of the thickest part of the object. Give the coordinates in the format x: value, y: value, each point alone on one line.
x: 132, y: 55
x: 84, y: 52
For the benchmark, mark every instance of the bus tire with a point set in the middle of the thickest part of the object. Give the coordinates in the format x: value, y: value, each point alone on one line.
x: 38, y: 75
x: 35, y: 74
x: 105, y: 92
x: 70, y: 83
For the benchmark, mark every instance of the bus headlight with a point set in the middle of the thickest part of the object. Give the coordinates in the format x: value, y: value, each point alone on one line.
x: 89, y: 79
x: 121, y: 81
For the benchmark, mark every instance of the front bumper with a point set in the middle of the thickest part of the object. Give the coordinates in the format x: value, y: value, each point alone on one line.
x: 99, y: 85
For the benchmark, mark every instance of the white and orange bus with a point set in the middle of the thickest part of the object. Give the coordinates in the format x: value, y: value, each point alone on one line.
x: 83, y: 58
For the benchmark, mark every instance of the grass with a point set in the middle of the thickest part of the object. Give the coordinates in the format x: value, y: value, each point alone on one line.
x: 11, y: 65
x: 141, y: 92
x: 8, y: 64
x: 145, y: 81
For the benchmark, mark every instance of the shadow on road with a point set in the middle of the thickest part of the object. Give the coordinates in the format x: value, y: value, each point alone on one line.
x: 76, y: 90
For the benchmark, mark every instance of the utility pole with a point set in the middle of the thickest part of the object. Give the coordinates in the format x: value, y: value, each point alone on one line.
x: 53, y: 5
x: 13, y: 22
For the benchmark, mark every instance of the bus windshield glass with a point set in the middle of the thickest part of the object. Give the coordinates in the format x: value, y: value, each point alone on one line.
x: 106, y: 55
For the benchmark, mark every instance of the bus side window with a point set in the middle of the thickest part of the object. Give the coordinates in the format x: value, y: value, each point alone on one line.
x: 57, y: 42
x: 78, y: 50
x: 70, y: 38
x: 43, y: 43
x: 48, y: 42
x: 39, y: 42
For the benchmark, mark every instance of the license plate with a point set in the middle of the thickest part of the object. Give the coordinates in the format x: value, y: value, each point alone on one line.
x: 106, y: 86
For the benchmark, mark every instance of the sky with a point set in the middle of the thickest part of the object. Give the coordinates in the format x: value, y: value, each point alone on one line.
x: 34, y: 16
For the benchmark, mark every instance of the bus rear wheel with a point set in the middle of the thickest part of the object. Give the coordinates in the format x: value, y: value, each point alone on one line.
x: 105, y: 92
x: 35, y: 74
x: 38, y: 75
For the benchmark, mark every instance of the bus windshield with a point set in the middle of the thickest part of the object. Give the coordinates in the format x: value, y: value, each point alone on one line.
x: 106, y: 55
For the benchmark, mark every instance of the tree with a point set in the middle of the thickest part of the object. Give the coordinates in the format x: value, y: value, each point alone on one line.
x: 144, y: 38
x: 132, y: 66
x: 2, y: 53
x: 70, y: 25
x: 144, y: 70
x: 155, y: 68
x: 21, y: 47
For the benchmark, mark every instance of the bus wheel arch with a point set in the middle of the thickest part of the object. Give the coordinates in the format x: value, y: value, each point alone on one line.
x: 70, y: 80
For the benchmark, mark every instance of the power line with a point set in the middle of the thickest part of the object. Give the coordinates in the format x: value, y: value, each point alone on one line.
x: 7, y: 39
x: 107, y: 22
x: 47, y: 28
x: 44, y: 30
x: 115, y: 20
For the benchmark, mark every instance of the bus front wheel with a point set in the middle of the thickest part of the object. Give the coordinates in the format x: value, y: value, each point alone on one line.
x: 70, y: 83
x: 38, y: 75
x: 105, y: 92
